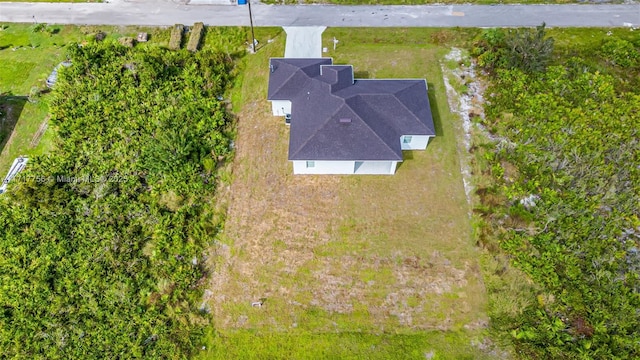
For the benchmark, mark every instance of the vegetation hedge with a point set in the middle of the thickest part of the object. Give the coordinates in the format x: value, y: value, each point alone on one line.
x: 564, y: 198
x: 175, y: 42
x: 196, y: 35
x: 102, y: 239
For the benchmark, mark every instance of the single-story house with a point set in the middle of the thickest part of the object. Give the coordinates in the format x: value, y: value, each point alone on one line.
x: 342, y: 125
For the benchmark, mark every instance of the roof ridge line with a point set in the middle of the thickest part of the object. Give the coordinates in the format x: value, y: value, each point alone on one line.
x: 318, y: 63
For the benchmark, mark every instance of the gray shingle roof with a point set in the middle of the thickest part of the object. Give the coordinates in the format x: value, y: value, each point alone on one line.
x: 334, y: 117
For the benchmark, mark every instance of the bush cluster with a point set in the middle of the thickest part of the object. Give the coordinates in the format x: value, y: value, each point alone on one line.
x: 568, y: 214
x: 528, y: 50
x: 620, y: 53
x: 101, y: 247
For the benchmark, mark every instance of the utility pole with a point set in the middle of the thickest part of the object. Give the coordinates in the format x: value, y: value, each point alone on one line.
x: 253, y: 38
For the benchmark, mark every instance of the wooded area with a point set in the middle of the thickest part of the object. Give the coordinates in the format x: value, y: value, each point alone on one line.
x: 563, y: 203
x: 102, y: 239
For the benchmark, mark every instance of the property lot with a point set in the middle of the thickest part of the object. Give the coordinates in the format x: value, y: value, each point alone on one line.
x: 364, y: 254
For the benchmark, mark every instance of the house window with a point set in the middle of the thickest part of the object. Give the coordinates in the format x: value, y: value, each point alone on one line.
x: 407, y: 139
x: 311, y: 164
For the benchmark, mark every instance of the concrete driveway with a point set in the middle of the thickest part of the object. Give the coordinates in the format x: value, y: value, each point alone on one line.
x: 303, y: 41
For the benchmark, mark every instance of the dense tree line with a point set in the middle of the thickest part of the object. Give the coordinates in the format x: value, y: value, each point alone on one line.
x: 101, y: 242
x: 564, y: 200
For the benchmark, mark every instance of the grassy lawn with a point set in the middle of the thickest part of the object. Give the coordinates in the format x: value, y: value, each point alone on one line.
x: 376, y: 263
x: 247, y: 344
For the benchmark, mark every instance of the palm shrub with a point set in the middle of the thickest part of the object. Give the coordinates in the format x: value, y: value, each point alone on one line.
x: 528, y: 50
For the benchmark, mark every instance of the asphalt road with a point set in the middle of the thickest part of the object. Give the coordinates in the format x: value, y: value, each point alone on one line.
x: 165, y: 12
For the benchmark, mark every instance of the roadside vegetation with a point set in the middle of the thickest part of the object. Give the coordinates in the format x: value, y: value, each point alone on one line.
x: 557, y: 181
x: 28, y: 54
x: 103, y: 236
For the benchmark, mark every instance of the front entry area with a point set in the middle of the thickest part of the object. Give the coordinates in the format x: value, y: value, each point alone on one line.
x: 373, y: 167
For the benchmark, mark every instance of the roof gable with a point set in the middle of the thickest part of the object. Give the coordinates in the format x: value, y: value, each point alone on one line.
x: 287, y: 76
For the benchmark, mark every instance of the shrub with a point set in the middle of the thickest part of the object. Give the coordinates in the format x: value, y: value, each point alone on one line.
x: 41, y: 27
x: 175, y: 42
x: 52, y: 30
x: 529, y: 50
x: 620, y: 52
x: 196, y: 35
x: 110, y: 275
x: 575, y: 151
x: 526, y: 49
x: 89, y: 29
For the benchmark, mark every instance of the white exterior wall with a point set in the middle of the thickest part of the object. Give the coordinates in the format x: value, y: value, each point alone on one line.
x: 418, y: 142
x: 375, y: 167
x: 345, y: 167
x: 281, y: 107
